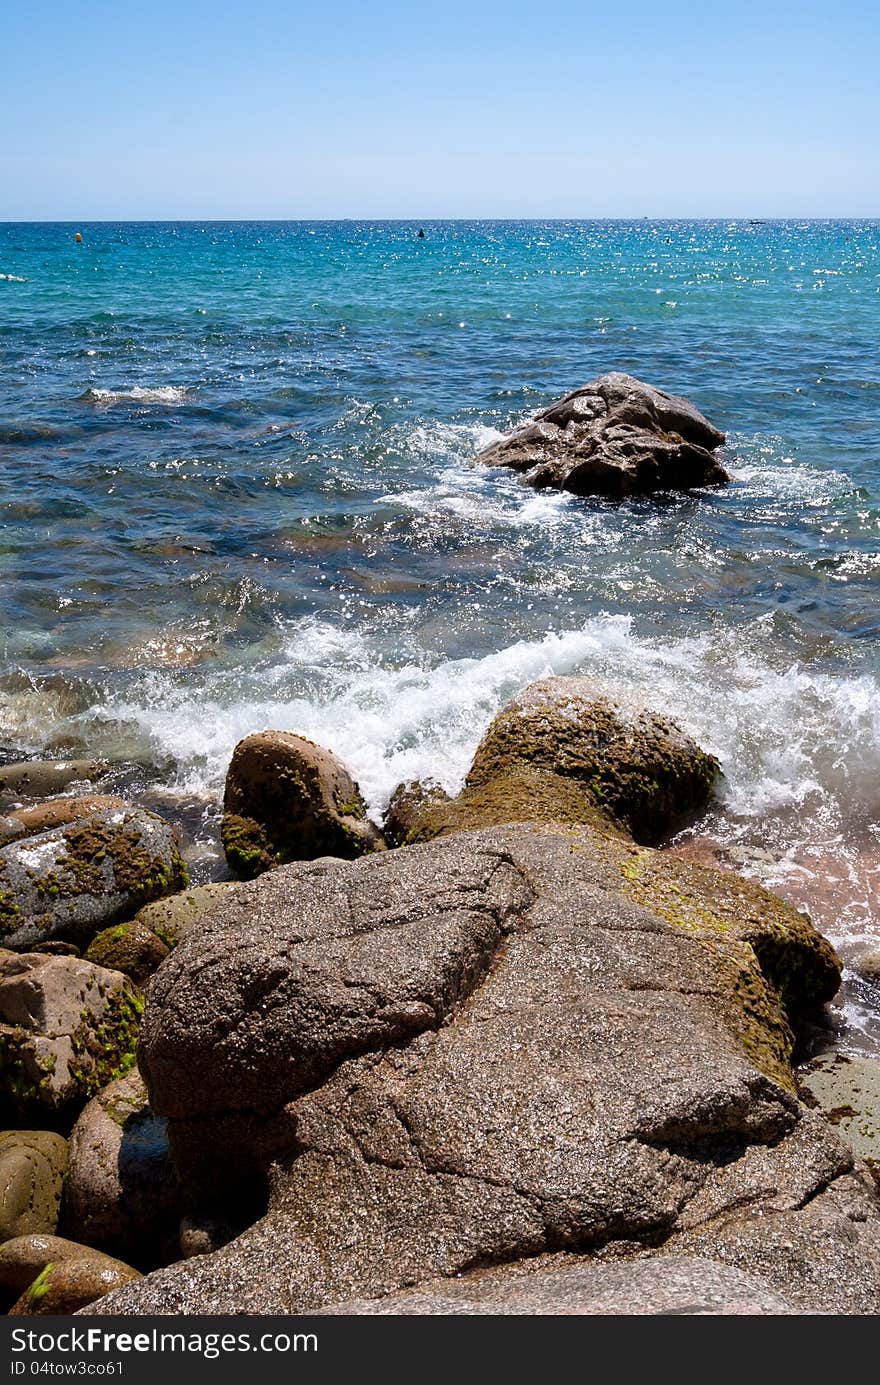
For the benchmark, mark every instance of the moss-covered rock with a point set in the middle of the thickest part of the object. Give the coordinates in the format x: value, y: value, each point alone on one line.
x: 634, y: 766
x: 129, y: 948
x: 67, y: 1028
x: 288, y: 799
x: 521, y: 793
x: 74, y: 880
x: 172, y: 918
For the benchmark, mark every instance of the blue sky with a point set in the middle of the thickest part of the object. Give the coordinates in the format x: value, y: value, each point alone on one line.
x: 383, y: 109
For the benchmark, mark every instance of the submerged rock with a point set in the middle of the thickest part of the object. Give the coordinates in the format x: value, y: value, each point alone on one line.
x: 72, y: 881
x: 492, y: 1047
x: 32, y: 1168
x: 563, y: 752
x: 66, y: 1028
x: 121, y: 1193
x: 616, y: 436
x: 288, y: 799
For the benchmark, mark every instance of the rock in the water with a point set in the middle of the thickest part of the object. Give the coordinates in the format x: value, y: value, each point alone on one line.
x: 66, y: 1029
x: 172, y: 918
x: 121, y: 1193
x: 564, y: 752
x: 847, y: 1092
x: 130, y: 948
x: 288, y: 799
x: 615, y: 436
x: 496, y: 1046
x: 683, y: 1285
x: 868, y: 964
x: 68, y: 1285
x: 57, y: 812
x: 25, y: 1257
x: 32, y: 1168
x: 72, y: 881
x: 42, y: 778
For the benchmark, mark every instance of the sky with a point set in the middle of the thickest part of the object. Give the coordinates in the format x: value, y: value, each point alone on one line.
x: 493, y: 108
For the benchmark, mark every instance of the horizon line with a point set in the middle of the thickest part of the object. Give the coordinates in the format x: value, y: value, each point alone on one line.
x: 406, y: 220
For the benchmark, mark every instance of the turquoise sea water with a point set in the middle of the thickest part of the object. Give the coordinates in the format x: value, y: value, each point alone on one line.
x: 237, y: 491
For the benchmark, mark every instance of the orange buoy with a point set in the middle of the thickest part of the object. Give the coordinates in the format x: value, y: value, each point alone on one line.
x: 78, y: 238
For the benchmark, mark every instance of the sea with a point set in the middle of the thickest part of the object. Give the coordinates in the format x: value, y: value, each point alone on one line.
x: 238, y: 491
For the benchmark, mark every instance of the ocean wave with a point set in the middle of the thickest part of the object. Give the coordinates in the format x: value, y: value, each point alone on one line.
x: 137, y: 394
x: 794, y: 743
x: 14, y: 278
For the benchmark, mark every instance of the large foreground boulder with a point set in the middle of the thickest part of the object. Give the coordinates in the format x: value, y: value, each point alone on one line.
x: 66, y: 1029
x: 497, y: 1046
x: 682, y: 1284
x: 564, y: 751
x: 616, y: 436
x: 72, y: 881
x: 288, y: 799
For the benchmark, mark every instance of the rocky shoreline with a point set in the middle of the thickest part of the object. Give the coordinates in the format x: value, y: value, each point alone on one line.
x: 508, y: 1054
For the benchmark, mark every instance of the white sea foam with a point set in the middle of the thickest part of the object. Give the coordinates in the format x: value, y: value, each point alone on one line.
x: 138, y: 394
x: 791, y: 741
x: 14, y: 278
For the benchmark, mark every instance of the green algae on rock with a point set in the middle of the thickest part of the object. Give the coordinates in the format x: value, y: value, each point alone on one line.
x: 486, y: 1049
x: 288, y: 799
x: 74, y: 880
x: 130, y: 948
x: 636, y: 766
x: 67, y: 1028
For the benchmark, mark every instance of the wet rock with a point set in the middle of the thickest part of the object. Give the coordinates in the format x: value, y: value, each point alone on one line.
x: 288, y: 799
x: 32, y: 1168
x: 25, y: 1257
x: 68, y: 1285
x: 67, y: 1028
x: 411, y: 810
x: 121, y: 1193
x: 868, y: 964
x: 42, y: 778
x: 172, y: 918
x: 72, y: 881
x: 11, y: 829
x: 616, y: 436
x: 683, y: 1285
x: 129, y: 948
x: 57, y: 812
x: 563, y: 752
x: 847, y: 1092
x: 487, y: 1049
